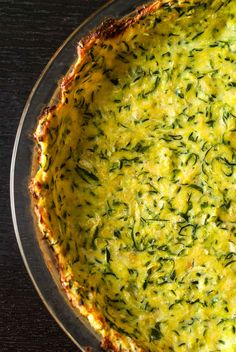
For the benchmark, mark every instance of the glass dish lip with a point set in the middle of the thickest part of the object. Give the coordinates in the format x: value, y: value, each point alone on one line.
x: 107, y: 10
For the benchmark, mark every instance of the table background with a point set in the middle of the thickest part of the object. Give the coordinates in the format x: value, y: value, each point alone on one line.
x: 30, y: 33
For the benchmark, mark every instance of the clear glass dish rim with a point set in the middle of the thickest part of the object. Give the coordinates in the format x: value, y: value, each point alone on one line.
x: 100, y: 11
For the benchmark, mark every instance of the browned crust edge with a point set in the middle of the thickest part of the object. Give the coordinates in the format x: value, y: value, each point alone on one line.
x: 108, y: 29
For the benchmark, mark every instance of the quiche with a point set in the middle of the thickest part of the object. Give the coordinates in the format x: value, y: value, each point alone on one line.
x: 135, y: 186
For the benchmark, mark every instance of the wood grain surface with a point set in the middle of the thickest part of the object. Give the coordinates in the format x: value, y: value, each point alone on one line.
x: 30, y: 32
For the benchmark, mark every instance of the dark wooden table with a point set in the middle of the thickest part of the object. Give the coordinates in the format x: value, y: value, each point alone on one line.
x: 30, y: 32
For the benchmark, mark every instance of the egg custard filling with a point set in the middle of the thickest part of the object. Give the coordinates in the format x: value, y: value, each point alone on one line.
x: 135, y: 189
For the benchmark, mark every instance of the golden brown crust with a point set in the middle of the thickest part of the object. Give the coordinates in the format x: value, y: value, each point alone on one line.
x: 107, y: 345
x: 45, y: 126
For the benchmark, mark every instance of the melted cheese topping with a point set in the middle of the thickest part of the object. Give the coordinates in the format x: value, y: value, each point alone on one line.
x: 138, y: 176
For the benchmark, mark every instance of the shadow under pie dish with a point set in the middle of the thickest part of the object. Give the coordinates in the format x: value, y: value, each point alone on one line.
x: 135, y: 181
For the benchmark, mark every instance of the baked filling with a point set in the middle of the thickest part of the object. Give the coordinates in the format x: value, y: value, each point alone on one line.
x: 135, y: 190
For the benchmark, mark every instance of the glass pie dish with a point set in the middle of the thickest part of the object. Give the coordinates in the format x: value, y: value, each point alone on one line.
x: 36, y: 254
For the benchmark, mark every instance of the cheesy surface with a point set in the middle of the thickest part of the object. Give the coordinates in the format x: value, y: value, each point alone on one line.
x: 136, y: 180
